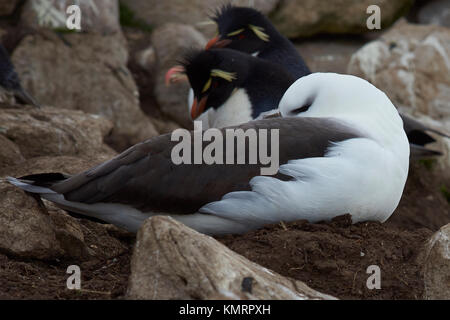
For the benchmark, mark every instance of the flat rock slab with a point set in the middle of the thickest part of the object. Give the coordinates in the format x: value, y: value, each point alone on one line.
x: 31, y: 132
x: 172, y: 261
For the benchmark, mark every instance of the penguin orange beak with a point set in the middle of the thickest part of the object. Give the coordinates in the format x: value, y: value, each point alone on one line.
x: 198, y: 108
x: 217, y: 43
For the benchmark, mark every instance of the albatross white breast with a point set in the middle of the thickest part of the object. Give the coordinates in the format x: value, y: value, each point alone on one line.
x: 342, y: 150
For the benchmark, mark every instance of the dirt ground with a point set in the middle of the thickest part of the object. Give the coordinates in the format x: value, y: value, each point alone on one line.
x: 104, y: 276
x: 331, y: 257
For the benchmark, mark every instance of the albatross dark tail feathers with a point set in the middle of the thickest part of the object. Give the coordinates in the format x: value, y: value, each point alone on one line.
x: 41, y: 183
x: 418, y: 136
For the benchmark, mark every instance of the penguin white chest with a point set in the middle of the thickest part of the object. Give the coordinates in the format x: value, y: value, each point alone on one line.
x: 236, y: 110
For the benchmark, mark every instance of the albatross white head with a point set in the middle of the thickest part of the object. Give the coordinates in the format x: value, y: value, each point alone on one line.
x: 351, y: 100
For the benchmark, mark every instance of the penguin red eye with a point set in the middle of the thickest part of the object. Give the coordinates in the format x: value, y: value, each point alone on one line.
x: 215, y: 84
x: 241, y: 36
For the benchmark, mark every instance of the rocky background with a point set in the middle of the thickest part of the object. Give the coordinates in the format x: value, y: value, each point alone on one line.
x: 103, y: 90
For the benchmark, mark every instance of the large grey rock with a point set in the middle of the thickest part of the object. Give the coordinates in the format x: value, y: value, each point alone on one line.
x: 10, y: 154
x: 170, y: 41
x: 28, y: 133
x: 87, y: 72
x: 437, y: 265
x: 96, y: 16
x: 172, y: 261
x: 28, y: 231
x: 297, y: 18
x: 194, y: 12
x: 411, y: 64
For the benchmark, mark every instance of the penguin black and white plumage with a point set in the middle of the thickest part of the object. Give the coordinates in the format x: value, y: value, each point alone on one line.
x: 232, y: 87
x: 9, y: 80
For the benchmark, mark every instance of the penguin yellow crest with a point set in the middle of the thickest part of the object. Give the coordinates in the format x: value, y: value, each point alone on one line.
x: 228, y: 76
x: 259, y: 31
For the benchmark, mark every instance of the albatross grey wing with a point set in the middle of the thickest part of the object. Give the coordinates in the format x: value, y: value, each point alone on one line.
x: 145, y: 177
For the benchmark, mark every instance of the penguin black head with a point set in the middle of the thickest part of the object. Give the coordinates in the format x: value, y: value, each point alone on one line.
x: 243, y: 29
x: 217, y: 74
x: 214, y: 75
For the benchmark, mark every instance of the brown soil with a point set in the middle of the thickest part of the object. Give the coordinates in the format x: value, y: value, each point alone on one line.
x: 104, y: 276
x: 333, y: 257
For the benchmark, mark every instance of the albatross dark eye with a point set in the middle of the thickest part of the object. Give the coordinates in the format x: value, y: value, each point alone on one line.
x: 302, y: 108
x: 305, y: 106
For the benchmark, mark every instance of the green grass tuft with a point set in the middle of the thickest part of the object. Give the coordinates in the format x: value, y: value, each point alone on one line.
x: 127, y: 19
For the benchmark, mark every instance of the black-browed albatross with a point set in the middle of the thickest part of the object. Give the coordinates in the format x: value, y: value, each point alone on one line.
x: 342, y: 150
